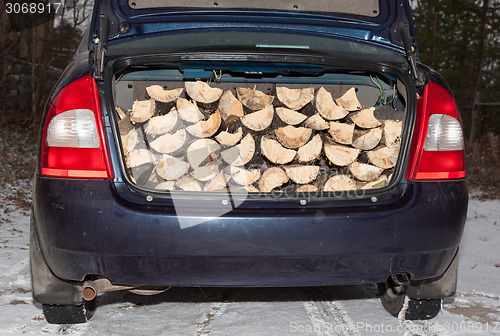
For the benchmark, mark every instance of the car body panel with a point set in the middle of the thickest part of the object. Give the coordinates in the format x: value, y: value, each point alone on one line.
x: 92, y: 232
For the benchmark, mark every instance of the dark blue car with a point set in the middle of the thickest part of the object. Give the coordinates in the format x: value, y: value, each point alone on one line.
x: 248, y: 143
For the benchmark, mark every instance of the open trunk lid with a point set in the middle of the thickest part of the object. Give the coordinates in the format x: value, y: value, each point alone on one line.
x: 373, y: 21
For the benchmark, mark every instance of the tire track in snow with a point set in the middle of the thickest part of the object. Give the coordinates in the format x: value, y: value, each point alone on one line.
x: 216, y: 310
x: 328, y: 317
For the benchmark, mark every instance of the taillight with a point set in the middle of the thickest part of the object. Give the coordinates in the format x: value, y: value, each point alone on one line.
x: 73, y: 136
x: 437, y: 150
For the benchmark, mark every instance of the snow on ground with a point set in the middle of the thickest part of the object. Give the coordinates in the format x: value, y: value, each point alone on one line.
x: 352, y: 310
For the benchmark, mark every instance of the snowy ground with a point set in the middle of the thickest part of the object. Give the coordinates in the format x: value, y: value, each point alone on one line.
x: 351, y: 310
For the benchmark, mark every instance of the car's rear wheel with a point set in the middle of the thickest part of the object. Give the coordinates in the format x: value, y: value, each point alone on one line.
x: 418, y: 300
x: 58, y: 314
x: 69, y: 314
x: 398, y: 304
x: 49, y: 289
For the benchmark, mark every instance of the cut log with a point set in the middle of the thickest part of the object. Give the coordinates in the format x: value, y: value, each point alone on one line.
x: 206, y: 172
x: 229, y: 105
x: 384, y: 157
x: 154, y: 178
x: 349, y: 101
x: 169, y: 143
x: 229, y: 139
x: 158, y: 93
x: 367, y: 140
x: 316, y: 122
x: 377, y: 184
x: 142, y: 110
x: 202, y: 92
x: 254, y: 99
x: 392, y: 131
x: 125, y: 126
x: 341, y: 155
x: 165, y: 185
x: 290, y: 117
x: 295, y: 99
x: 293, y: 137
x: 302, y: 174
x: 162, y: 124
x: 129, y: 141
x: 243, y: 176
x: 241, y: 154
x: 201, y: 151
x: 230, y: 123
x: 187, y: 183
x: 275, y: 152
x: 311, y: 150
x: 365, y: 172
x: 120, y: 112
x: 171, y: 168
x: 206, y: 128
x: 365, y: 118
x: 273, y: 177
x: 327, y: 107
x: 339, y: 183
x: 251, y: 189
x: 341, y: 132
x: 188, y: 111
x: 142, y: 175
x: 139, y: 157
x: 260, y: 120
x: 217, y: 183
x: 145, y: 175
x: 307, y: 188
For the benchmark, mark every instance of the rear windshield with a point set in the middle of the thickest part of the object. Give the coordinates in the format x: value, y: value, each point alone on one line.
x: 261, y: 41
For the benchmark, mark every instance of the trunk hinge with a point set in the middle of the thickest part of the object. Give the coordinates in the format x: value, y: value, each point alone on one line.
x: 411, y: 55
x: 101, y: 47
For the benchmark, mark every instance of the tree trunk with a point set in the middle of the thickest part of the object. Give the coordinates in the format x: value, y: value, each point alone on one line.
x: 475, y: 118
x: 477, y: 69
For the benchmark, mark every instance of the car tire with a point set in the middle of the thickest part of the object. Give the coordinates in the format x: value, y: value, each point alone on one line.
x: 418, y: 300
x: 416, y: 309
x: 62, y: 314
x: 406, y: 308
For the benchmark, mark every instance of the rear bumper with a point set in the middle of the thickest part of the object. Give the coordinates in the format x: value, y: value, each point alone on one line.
x: 85, y: 228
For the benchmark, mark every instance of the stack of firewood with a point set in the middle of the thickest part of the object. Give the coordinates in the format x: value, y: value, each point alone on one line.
x: 207, y: 139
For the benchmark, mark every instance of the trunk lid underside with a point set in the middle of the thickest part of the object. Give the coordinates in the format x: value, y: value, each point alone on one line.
x: 374, y: 21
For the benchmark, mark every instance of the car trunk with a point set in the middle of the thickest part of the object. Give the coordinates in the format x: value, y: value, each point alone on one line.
x: 261, y: 128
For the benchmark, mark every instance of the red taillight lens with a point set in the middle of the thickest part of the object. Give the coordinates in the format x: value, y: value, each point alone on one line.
x: 437, y: 150
x: 73, y: 136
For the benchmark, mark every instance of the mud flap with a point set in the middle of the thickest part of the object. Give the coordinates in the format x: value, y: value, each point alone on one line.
x: 436, y: 288
x: 47, y: 288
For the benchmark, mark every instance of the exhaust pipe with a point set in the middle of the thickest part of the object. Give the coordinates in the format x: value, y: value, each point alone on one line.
x: 400, y: 279
x: 92, y: 288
